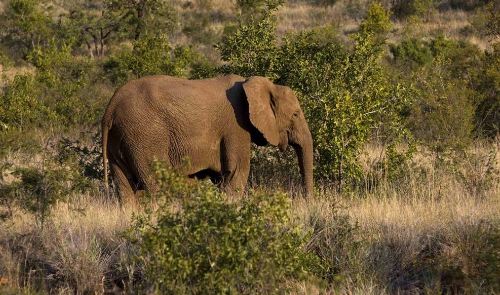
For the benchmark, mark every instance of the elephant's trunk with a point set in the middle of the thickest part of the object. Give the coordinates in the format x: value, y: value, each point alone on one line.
x: 304, y: 152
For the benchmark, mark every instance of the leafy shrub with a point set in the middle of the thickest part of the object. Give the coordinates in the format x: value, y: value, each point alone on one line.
x: 252, y: 49
x: 449, y: 80
x: 150, y: 55
x: 412, y: 52
x: 137, y: 18
x: 21, y: 106
x: 52, y: 94
x: 58, y: 68
x: 256, y: 9
x: 26, y: 24
x: 87, y: 157
x: 59, y: 91
x: 203, y: 68
x: 64, y: 81
x: 196, y: 241
x: 348, y: 99
x: 487, y: 83
x: 342, y: 92
x: 486, y: 21
x: 463, y: 57
x: 442, y: 115
x: 377, y: 20
x: 37, y: 190
x: 405, y: 8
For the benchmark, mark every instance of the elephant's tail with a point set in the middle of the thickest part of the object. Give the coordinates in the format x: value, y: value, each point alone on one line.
x: 106, y: 125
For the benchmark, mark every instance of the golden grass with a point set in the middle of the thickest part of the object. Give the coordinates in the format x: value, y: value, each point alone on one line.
x: 84, y: 244
x: 81, y: 247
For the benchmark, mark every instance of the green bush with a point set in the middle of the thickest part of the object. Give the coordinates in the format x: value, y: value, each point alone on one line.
x: 21, y: 106
x: 37, y: 190
x: 412, y: 52
x: 86, y: 156
x: 26, y: 24
x: 344, y: 93
x: 376, y: 21
x: 252, y: 10
x: 64, y: 83
x: 406, y: 8
x: 150, y: 55
x: 252, y: 49
x: 203, y: 68
x: 442, y: 116
x: 463, y: 57
x: 487, y: 83
x: 58, y: 69
x: 59, y: 92
x: 454, y: 87
x: 198, y: 242
x: 137, y: 18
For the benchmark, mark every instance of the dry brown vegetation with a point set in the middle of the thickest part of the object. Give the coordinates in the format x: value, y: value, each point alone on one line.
x: 345, y: 16
x: 421, y: 234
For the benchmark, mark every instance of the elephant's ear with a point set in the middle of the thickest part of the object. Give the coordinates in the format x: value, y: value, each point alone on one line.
x: 260, y: 105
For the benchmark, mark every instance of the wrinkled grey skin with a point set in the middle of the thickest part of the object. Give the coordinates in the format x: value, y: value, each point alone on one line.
x: 210, y: 122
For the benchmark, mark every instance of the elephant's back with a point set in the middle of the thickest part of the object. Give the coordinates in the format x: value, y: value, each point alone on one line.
x: 162, y: 90
x: 156, y: 100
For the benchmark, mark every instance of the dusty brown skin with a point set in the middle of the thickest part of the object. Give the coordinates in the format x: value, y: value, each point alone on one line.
x: 211, y: 122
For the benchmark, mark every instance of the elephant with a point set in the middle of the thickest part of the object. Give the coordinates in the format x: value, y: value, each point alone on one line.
x: 211, y: 122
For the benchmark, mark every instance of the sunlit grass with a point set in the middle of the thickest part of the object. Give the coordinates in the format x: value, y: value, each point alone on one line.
x: 82, y: 247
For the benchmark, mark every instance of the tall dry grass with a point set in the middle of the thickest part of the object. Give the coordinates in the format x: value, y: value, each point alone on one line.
x: 344, y: 15
x: 429, y: 233
x: 80, y: 249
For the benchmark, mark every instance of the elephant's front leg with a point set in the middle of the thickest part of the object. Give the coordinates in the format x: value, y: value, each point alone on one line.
x: 235, y: 156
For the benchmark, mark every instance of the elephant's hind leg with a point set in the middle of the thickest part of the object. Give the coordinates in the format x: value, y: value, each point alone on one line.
x: 124, y: 182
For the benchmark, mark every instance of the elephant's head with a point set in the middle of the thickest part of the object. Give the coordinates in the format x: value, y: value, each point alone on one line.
x: 275, y: 112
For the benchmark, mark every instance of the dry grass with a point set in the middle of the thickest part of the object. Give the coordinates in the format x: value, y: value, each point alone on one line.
x: 405, y: 231
x: 300, y: 16
x: 345, y: 15
x: 79, y: 249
